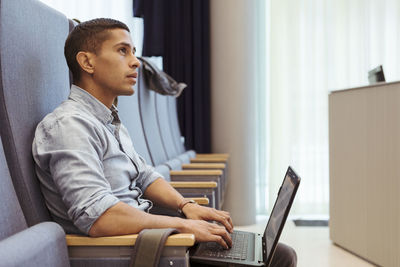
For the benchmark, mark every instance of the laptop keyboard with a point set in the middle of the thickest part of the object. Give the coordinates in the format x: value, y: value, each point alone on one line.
x: 238, y: 251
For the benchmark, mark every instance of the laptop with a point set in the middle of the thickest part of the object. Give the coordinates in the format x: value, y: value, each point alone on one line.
x: 251, y: 249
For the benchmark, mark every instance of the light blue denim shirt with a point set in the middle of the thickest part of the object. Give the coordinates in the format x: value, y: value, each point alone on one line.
x: 86, y: 162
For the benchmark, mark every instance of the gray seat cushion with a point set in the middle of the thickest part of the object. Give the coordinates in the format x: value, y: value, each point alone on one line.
x: 42, y: 245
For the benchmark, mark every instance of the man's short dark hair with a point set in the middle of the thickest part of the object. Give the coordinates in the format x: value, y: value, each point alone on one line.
x: 88, y: 36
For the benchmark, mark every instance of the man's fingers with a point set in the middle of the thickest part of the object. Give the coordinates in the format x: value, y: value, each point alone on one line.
x: 221, y: 232
x: 220, y: 240
x: 224, y: 218
x: 225, y: 222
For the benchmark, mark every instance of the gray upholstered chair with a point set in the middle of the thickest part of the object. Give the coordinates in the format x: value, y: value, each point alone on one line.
x: 178, y: 142
x: 40, y: 245
x: 165, y: 125
x: 128, y: 110
x: 216, y: 158
x: 33, y: 81
x: 156, y: 146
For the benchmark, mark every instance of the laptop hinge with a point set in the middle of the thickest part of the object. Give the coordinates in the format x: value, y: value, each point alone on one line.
x: 258, y: 251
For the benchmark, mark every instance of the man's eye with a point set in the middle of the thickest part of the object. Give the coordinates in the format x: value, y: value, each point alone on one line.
x: 122, y: 50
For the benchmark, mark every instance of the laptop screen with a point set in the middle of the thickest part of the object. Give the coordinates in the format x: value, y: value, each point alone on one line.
x: 280, y: 212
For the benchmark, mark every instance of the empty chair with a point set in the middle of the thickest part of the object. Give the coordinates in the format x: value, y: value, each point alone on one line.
x: 128, y: 110
x: 178, y: 142
x: 191, y: 154
x: 165, y: 125
x: 156, y: 147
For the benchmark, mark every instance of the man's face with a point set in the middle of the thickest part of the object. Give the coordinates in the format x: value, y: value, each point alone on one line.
x: 115, y: 65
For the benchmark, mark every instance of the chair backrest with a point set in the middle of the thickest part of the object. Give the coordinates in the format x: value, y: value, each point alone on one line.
x: 150, y: 124
x: 161, y: 105
x: 33, y: 81
x: 11, y: 220
x: 175, y: 129
x: 151, y: 128
x: 128, y: 111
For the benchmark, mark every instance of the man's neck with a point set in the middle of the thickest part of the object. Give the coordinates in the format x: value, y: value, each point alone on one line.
x: 96, y: 92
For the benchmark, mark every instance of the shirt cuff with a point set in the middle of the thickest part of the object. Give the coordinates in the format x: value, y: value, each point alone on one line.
x: 94, y: 211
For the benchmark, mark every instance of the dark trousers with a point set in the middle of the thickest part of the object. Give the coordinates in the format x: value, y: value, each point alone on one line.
x: 284, y: 256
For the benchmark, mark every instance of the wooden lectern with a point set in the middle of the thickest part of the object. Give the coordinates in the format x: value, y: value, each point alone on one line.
x: 364, y: 140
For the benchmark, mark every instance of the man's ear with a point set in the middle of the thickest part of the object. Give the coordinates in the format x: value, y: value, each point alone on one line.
x: 85, y: 60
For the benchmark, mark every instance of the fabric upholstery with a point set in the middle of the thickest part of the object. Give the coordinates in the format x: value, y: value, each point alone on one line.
x: 128, y: 111
x: 166, y: 123
x: 34, y: 80
x: 150, y: 124
x: 42, y: 245
x: 161, y: 104
x: 175, y: 130
x: 11, y: 220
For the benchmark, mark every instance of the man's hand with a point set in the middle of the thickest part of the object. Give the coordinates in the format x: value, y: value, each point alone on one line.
x: 205, y: 232
x: 197, y: 212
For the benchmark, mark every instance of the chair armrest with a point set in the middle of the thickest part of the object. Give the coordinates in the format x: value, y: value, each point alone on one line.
x: 209, y: 160
x: 212, y: 155
x: 196, y: 173
x: 193, y: 184
x: 201, y: 200
x: 126, y: 240
x: 203, y: 166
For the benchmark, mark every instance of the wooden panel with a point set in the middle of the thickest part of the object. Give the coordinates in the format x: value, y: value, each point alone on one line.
x: 364, y: 129
x: 193, y: 184
x: 199, y: 166
x: 212, y: 155
x: 125, y: 240
x: 209, y: 160
x: 196, y: 173
x: 201, y: 200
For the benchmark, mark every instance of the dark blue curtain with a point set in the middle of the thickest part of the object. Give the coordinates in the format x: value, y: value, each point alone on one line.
x: 179, y: 31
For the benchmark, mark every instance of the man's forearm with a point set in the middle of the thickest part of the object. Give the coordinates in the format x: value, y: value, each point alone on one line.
x: 122, y: 219
x: 163, y: 194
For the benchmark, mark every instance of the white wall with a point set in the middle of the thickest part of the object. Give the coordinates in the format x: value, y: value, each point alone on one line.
x: 234, y: 84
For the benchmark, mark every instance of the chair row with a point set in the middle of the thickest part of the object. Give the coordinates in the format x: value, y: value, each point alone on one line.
x: 45, y: 244
x: 33, y: 82
x: 146, y: 115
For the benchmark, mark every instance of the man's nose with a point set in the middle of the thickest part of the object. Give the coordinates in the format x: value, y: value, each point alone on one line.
x: 135, y: 63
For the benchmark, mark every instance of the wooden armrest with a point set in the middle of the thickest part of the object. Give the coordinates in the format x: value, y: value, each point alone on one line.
x: 208, y: 160
x: 193, y: 184
x: 196, y: 173
x: 212, y: 155
x: 201, y: 166
x: 126, y: 240
x: 201, y: 200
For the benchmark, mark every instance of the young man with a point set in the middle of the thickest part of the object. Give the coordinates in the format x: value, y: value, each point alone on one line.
x: 92, y: 179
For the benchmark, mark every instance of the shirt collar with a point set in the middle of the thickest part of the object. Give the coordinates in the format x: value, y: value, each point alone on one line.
x: 92, y: 104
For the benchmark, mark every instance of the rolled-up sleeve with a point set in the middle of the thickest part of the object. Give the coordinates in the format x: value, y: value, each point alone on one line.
x: 147, y: 175
x: 72, y: 151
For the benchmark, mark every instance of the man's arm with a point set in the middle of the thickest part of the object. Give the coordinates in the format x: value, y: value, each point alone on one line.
x: 123, y: 219
x: 163, y: 194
